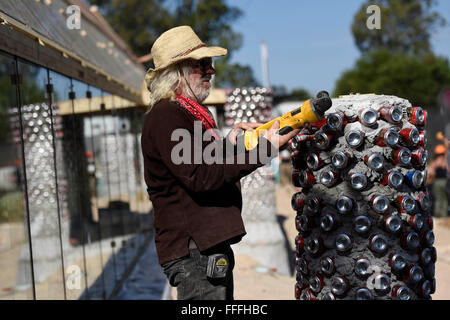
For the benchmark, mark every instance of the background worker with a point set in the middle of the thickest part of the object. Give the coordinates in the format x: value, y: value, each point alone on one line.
x: 197, y: 206
x: 437, y: 179
x: 447, y: 146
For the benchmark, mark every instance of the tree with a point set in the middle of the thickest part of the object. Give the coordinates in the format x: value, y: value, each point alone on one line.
x: 211, y: 19
x: 279, y: 90
x: 280, y: 94
x: 139, y: 31
x: 397, y: 59
x: 406, y: 26
x: 419, y: 79
x: 300, y: 94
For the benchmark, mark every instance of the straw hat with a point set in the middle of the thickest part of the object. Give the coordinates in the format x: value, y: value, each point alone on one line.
x: 177, y: 44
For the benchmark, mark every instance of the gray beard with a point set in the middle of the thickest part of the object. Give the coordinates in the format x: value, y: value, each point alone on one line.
x: 194, y: 92
x: 201, y: 94
x: 198, y: 93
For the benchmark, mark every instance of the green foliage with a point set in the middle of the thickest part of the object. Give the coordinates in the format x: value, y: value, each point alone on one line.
x: 397, y: 59
x: 300, y: 94
x: 211, y: 21
x: 406, y: 26
x: 280, y: 93
x: 11, y: 206
x: 418, y: 79
x: 139, y: 23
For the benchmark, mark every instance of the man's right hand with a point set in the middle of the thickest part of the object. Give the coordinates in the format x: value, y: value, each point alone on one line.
x: 279, y: 140
x: 232, y: 135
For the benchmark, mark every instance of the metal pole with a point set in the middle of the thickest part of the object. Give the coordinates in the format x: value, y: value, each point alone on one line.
x: 264, y: 64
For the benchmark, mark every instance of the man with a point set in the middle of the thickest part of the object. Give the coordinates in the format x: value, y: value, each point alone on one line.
x: 197, y: 206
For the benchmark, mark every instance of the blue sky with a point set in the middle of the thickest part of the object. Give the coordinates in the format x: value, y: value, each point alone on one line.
x: 309, y: 42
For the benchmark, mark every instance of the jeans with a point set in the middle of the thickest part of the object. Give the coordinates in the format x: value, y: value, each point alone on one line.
x: 188, y: 275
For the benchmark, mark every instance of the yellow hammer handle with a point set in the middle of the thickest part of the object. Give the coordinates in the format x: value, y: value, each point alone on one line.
x: 294, y: 119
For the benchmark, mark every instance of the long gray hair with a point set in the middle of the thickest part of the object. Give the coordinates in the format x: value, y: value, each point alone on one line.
x: 163, y: 84
x: 166, y: 83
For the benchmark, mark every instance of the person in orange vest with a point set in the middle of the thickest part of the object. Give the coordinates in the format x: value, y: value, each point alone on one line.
x: 438, y: 171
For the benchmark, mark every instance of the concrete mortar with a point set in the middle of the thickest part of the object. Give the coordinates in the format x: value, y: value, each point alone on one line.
x: 344, y: 263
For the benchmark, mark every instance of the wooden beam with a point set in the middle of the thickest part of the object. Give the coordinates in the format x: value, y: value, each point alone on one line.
x: 93, y: 105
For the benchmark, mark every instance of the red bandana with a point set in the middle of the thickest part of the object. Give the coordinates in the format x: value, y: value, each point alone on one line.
x: 199, y: 112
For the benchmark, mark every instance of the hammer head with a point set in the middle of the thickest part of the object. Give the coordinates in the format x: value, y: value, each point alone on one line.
x: 321, y: 103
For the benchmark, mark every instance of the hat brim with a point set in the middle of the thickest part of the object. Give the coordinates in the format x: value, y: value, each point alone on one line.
x: 200, y: 53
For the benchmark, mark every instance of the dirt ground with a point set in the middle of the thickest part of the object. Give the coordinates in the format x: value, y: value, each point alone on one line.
x: 255, y: 283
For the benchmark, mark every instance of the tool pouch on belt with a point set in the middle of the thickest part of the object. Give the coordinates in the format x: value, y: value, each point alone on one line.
x: 217, y: 266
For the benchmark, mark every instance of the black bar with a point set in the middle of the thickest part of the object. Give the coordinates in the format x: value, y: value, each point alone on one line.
x: 89, y: 96
x: 50, y: 97
x: 25, y: 181
x: 103, y: 107
x: 78, y: 183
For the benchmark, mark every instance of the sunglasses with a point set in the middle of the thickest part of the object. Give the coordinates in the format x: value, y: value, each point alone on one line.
x: 203, y: 64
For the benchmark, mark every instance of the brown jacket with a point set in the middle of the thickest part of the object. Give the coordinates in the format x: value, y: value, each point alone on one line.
x: 199, y: 201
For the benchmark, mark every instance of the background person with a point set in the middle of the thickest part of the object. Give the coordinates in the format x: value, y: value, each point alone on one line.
x: 447, y: 145
x: 437, y: 180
